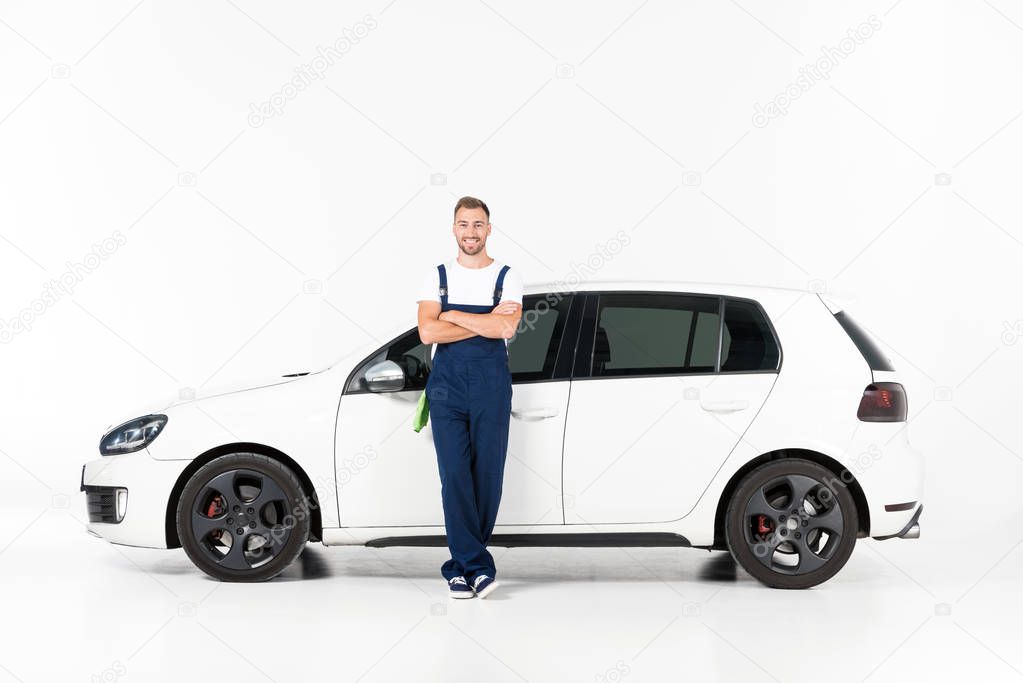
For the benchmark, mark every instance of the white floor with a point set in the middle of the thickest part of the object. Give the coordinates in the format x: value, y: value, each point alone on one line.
x: 78, y: 608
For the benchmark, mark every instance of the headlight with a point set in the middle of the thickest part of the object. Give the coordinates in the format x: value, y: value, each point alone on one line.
x: 132, y: 436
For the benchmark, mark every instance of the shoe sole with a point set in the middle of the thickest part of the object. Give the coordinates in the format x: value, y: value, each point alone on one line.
x: 462, y: 596
x: 487, y: 591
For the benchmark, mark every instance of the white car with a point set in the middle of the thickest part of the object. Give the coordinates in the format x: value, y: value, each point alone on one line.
x: 758, y: 420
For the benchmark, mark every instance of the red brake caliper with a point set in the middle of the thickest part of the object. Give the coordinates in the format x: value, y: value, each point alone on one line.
x: 764, y: 525
x: 213, y: 511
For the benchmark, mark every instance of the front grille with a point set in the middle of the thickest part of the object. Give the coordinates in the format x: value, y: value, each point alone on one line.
x: 101, y: 503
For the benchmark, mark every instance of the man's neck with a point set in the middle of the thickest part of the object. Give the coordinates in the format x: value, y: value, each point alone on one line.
x: 480, y: 260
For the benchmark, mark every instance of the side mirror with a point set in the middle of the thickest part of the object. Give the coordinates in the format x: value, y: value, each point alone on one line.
x: 385, y: 376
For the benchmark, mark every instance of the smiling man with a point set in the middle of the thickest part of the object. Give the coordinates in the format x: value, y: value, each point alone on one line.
x: 470, y: 307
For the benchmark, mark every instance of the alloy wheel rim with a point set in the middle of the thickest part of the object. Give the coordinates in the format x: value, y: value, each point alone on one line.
x: 240, y: 519
x: 793, y: 524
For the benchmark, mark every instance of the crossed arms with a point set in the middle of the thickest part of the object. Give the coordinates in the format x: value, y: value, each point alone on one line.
x: 450, y: 326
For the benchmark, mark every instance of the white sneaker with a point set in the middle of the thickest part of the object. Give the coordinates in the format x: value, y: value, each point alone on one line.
x: 483, y: 585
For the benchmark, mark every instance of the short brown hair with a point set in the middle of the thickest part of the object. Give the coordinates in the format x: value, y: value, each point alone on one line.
x: 472, y: 203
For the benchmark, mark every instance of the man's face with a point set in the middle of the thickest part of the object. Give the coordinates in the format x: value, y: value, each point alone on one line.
x: 471, y: 230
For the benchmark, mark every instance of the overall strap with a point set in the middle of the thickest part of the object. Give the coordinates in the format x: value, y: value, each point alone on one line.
x: 499, y: 286
x: 443, y: 284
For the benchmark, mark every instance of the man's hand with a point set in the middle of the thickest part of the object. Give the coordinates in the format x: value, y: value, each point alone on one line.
x: 507, y: 308
x: 498, y: 324
x: 503, y: 308
x: 433, y: 328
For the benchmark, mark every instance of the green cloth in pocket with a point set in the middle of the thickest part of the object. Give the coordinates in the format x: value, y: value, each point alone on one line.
x: 422, y: 413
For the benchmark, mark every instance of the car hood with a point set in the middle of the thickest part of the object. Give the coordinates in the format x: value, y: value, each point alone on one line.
x: 188, y: 394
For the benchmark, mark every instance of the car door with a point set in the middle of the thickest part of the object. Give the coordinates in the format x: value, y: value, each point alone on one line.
x: 387, y: 473
x: 665, y: 385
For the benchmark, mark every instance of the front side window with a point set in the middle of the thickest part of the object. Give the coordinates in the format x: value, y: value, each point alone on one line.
x: 747, y: 343
x: 533, y: 350
x: 651, y: 334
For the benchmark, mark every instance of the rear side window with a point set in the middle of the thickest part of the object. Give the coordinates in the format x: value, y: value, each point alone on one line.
x: 654, y: 334
x: 871, y: 352
x: 747, y: 343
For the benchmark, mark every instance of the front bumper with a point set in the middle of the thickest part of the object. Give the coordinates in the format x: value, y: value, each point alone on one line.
x: 145, y: 485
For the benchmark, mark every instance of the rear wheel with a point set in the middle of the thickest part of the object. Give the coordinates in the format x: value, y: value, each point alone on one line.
x: 791, y: 524
x: 243, y: 517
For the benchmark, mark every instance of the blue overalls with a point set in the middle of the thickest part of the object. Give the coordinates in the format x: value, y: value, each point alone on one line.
x: 470, y: 395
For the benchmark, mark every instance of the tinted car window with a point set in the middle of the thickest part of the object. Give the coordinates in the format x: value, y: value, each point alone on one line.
x: 871, y: 352
x: 648, y: 334
x: 747, y: 342
x: 533, y: 350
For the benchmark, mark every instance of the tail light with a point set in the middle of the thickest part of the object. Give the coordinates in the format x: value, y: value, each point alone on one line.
x: 883, y: 402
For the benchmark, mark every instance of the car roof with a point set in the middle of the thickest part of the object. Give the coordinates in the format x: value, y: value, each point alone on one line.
x: 747, y: 291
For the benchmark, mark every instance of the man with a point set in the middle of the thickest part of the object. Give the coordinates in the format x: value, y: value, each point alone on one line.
x: 469, y: 307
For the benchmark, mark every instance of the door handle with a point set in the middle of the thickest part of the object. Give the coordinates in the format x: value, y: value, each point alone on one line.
x: 535, y: 413
x: 724, y: 406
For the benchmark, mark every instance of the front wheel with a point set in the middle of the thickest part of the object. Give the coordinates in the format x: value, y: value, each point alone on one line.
x: 243, y: 517
x: 791, y: 524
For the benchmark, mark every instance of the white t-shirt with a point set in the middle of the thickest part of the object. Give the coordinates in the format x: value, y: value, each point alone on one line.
x: 471, y: 286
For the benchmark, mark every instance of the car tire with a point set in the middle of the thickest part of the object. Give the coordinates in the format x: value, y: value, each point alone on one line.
x: 243, y: 517
x: 791, y: 523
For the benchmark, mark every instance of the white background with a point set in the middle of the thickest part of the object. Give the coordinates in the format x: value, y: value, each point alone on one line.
x: 256, y: 250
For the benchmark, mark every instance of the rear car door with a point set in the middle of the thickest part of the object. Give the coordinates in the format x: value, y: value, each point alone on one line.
x: 664, y: 386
